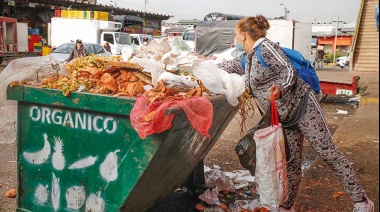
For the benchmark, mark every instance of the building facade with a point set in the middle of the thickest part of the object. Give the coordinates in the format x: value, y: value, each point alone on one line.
x: 324, y: 34
x: 38, y: 13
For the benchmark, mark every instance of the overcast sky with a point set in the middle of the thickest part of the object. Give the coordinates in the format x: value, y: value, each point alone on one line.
x: 300, y: 10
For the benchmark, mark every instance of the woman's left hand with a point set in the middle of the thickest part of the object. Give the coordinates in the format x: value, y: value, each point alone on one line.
x: 276, y: 91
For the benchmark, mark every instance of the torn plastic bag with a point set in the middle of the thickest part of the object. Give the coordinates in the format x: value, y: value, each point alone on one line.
x: 177, y: 83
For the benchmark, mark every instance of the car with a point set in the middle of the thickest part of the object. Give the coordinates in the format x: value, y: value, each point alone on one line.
x: 227, y: 54
x: 63, y: 51
x: 137, y: 40
x: 343, y: 61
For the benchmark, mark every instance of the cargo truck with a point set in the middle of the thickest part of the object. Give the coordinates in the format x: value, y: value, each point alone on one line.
x: 65, y: 30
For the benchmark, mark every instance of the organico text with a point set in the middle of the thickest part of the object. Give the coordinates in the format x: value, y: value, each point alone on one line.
x: 73, y: 119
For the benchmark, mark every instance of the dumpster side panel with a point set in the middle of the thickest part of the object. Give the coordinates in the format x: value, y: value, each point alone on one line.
x: 80, y: 153
x: 180, y: 151
x: 72, y: 159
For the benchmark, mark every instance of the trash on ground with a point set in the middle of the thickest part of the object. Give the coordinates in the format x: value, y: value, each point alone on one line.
x: 11, y: 193
x: 218, y: 180
x: 200, y: 207
x: 236, y: 190
x: 210, y: 196
x: 338, y: 194
x: 344, y: 112
x: 355, y: 99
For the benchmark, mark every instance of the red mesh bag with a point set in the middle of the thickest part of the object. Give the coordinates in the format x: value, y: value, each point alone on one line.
x: 199, y: 112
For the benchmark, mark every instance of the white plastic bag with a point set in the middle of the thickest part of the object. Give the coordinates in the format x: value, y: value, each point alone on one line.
x: 150, y: 65
x: 219, y: 81
x: 271, y: 174
x: 159, y: 45
x: 30, y: 69
x: 177, y: 82
x: 179, y: 44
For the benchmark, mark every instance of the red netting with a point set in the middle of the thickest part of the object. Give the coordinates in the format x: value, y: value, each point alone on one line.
x: 199, y: 111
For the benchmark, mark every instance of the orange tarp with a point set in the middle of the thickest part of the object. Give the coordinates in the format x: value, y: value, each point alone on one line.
x: 340, y: 41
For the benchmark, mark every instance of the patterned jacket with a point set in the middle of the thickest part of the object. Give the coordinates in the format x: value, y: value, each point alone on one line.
x: 279, y: 72
x: 81, y: 52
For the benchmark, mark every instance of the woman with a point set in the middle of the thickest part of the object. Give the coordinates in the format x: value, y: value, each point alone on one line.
x: 78, y: 51
x: 280, y: 77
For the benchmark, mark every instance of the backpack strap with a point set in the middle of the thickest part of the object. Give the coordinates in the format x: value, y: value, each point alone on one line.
x: 260, y: 57
x: 243, y: 60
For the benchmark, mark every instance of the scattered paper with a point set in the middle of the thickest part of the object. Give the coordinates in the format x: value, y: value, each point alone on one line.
x: 227, y: 181
x: 343, y: 112
x: 216, y: 167
x: 252, y: 205
x: 241, y: 178
x: 354, y: 99
x: 210, y: 196
x: 219, y: 180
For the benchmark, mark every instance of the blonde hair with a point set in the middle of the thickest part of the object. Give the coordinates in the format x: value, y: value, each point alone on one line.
x: 256, y: 27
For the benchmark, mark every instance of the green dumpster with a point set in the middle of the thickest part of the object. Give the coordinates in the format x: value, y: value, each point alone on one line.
x: 80, y: 153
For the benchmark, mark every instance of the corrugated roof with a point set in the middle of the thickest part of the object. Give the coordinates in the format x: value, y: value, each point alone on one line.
x: 346, y: 30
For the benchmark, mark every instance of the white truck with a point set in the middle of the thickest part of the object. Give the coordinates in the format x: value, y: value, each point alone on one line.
x: 65, y: 30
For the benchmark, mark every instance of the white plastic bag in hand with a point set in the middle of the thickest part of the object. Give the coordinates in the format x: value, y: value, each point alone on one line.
x: 219, y: 81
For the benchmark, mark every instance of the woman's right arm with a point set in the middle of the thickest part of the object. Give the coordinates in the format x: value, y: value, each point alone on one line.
x: 71, y: 56
x: 232, y: 66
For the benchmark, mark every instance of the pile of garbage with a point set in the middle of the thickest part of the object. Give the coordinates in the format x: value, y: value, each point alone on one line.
x: 137, y: 72
x: 230, y: 191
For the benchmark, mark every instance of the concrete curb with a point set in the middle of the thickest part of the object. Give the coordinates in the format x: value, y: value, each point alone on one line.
x: 368, y: 101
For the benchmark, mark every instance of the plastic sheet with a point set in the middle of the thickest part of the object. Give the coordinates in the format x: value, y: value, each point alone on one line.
x: 30, y: 69
x: 219, y: 81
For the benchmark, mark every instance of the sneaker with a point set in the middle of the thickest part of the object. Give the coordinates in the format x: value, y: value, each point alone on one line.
x: 281, y: 209
x: 364, y: 206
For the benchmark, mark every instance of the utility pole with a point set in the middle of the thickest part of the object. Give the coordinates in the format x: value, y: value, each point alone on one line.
x: 286, y: 12
x: 336, y: 38
x: 146, y: 2
x: 114, y: 2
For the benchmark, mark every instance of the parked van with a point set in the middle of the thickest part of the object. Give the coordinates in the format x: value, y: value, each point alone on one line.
x: 137, y: 40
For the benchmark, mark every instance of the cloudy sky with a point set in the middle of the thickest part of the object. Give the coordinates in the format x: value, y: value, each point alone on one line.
x: 300, y: 10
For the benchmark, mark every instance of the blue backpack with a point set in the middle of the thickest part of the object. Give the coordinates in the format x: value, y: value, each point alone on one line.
x: 304, y: 68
